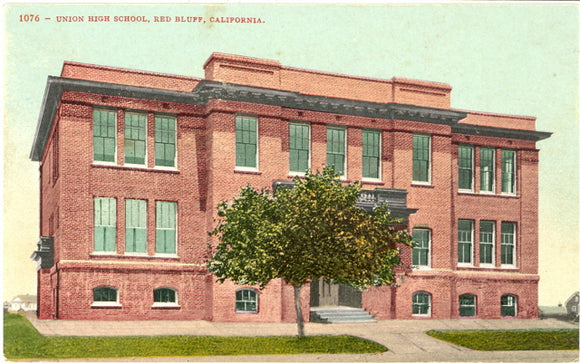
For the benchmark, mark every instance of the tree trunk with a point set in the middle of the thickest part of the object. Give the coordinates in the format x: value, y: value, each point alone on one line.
x: 298, y: 307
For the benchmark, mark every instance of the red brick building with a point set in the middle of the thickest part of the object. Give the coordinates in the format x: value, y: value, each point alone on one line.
x: 133, y: 165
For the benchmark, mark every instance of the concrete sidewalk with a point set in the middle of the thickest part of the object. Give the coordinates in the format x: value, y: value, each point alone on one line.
x: 406, y: 339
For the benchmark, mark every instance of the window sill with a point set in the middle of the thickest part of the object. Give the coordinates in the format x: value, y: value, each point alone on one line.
x: 103, y: 253
x: 508, y: 267
x: 135, y: 168
x: 486, y: 265
x: 166, y: 306
x: 466, y: 191
x: 246, y: 312
x: 465, y: 265
x: 106, y: 305
x: 134, y: 256
x: 166, y: 168
x: 421, y: 316
x: 164, y: 255
x: 247, y: 171
x: 421, y: 268
x: 372, y: 181
x: 422, y: 185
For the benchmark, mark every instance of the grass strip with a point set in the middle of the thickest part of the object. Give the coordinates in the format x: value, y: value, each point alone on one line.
x: 534, y: 339
x: 22, y: 341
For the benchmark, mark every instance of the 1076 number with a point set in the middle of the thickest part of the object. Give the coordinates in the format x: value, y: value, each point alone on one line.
x: 29, y: 18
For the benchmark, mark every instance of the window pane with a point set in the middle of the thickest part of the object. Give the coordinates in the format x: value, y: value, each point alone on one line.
x: 421, y: 303
x: 299, y: 147
x: 486, y: 241
x: 165, y: 235
x: 508, y: 232
x: 105, y: 224
x: 246, y: 300
x: 105, y: 294
x: 508, y: 172
x: 465, y: 241
x: 421, y: 250
x: 135, y: 225
x: 335, y: 149
x: 104, y: 135
x: 164, y: 295
x: 165, y: 141
x: 371, y: 151
x: 421, y: 157
x: 508, y: 305
x: 465, y: 167
x: 487, y: 169
x: 135, y: 138
x: 467, y: 305
x: 246, y: 141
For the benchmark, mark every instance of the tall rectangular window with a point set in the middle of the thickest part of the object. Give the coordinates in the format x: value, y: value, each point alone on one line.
x: 336, y: 149
x: 508, y: 171
x: 421, y: 158
x: 371, y: 154
x: 246, y: 142
x: 135, y: 225
x: 104, y: 135
x: 465, y: 167
x: 465, y: 241
x: 135, y: 138
x: 165, y: 230
x: 299, y: 147
x: 486, y: 241
x: 487, y: 161
x: 508, y: 243
x: 105, y: 236
x: 165, y: 140
x: 421, y: 251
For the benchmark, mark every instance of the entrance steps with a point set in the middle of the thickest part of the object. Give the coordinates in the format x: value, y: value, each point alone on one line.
x: 339, y: 314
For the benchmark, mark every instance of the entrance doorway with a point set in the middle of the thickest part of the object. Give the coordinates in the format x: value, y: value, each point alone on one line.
x: 326, y: 293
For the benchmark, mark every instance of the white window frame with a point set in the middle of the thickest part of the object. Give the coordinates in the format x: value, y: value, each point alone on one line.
x: 492, y: 243
x: 515, y: 305
x: 428, y: 265
x: 474, y: 306
x: 146, y: 157
x: 131, y: 253
x: 515, y: 191
x: 430, y: 164
x: 470, y: 190
x: 428, y: 314
x: 170, y: 255
x: 300, y: 173
x: 380, y: 168
x: 257, y: 301
x: 514, y: 252
x: 344, y: 175
x: 98, y: 162
x: 93, y: 251
x: 106, y: 303
x: 466, y: 264
x: 175, y: 160
x: 248, y: 168
x: 494, y: 171
x: 166, y: 304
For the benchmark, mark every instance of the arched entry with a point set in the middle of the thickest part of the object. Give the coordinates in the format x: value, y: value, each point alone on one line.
x: 326, y: 293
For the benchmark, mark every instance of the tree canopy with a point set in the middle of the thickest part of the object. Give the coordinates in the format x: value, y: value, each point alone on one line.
x: 313, y: 230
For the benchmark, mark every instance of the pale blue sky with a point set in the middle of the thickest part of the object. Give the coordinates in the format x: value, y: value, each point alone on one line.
x: 507, y: 58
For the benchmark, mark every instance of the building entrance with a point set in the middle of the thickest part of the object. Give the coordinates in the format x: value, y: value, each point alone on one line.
x: 326, y: 293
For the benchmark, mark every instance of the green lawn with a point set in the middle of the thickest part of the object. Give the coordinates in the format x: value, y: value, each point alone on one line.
x: 22, y: 341
x: 537, y: 339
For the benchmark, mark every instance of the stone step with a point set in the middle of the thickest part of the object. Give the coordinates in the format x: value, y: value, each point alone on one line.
x: 340, y: 315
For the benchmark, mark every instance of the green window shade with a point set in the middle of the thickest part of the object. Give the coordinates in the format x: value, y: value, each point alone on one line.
x: 508, y: 305
x: 421, y: 157
x: 465, y: 239
x: 165, y: 231
x: 104, y: 135
x: 135, y: 138
x: 508, y: 171
x: 135, y: 225
x: 467, y: 305
x: 165, y: 132
x: 508, y: 234
x: 299, y: 147
x: 336, y: 149
x: 105, y: 237
x: 421, y: 251
x: 421, y: 303
x: 164, y: 295
x: 104, y: 293
x: 486, y: 233
x: 487, y: 169
x: 246, y: 141
x: 465, y: 167
x: 371, y: 153
x: 246, y: 301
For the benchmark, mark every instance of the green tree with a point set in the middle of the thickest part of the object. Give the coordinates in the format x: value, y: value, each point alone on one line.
x: 311, y: 231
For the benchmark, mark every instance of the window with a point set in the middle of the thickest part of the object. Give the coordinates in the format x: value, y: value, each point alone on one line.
x: 508, y: 243
x: 165, y: 130
x: 164, y: 296
x: 246, y: 301
x: 105, y: 296
x: 421, y: 303
x: 467, y: 305
x: 135, y: 225
x: 421, y: 250
x: 105, y: 234
x: 465, y: 167
x: 104, y: 135
x: 299, y: 147
x: 486, y: 241
x: 487, y: 158
x: 371, y: 154
x: 508, y: 171
x: 508, y: 305
x: 336, y: 149
x: 165, y: 231
x: 465, y: 239
x: 135, y: 138
x: 421, y: 158
x: 246, y: 142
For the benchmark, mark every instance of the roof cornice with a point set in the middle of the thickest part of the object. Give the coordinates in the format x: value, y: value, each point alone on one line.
x: 205, y: 91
